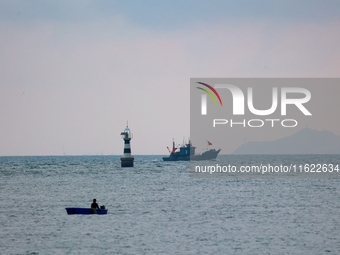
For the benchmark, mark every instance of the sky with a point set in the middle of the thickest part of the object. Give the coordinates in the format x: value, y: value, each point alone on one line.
x: 74, y: 72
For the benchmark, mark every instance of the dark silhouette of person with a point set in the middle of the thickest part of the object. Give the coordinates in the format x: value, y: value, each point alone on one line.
x: 94, y: 204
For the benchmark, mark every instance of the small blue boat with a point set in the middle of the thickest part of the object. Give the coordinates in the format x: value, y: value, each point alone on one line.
x: 75, y: 210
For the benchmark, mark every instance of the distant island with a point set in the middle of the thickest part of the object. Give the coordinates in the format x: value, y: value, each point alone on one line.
x: 306, y: 141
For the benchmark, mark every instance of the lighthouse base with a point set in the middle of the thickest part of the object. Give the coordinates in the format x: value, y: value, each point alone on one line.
x: 127, y: 162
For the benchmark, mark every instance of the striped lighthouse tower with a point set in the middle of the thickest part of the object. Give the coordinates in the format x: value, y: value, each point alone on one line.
x: 127, y: 159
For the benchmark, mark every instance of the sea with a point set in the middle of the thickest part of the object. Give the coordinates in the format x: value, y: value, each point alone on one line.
x: 159, y: 207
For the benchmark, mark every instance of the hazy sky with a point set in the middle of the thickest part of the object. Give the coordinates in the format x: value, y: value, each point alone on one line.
x: 73, y: 72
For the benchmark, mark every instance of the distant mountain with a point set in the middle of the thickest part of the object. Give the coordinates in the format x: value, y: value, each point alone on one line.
x: 306, y: 141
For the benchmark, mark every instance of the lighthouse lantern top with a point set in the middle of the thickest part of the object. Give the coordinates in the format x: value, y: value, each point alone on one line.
x: 127, y: 130
x: 126, y: 133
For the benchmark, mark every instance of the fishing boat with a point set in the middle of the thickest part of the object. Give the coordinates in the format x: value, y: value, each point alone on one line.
x: 76, y: 210
x: 186, y: 152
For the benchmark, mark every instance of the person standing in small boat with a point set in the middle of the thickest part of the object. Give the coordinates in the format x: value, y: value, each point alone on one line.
x: 94, y: 205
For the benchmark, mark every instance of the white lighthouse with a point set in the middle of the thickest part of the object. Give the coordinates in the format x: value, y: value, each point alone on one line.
x: 127, y: 159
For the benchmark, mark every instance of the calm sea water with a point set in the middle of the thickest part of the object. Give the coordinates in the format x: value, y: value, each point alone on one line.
x: 157, y: 208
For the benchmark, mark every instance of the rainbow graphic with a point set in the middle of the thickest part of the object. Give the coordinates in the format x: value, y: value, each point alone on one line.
x: 209, y: 93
